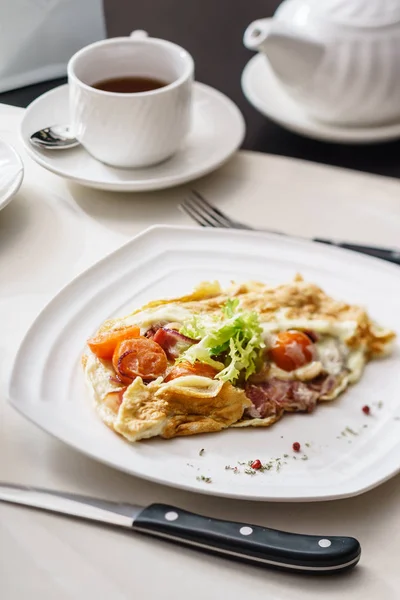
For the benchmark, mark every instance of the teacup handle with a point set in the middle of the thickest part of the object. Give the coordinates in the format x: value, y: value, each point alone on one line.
x: 139, y: 34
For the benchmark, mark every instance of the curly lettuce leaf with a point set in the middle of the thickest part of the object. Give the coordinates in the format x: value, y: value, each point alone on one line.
x: 235, y: 338
x: 230, y: 307
x: 193, y: 328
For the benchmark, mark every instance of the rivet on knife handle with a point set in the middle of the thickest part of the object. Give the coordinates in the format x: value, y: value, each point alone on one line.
x: 250, y: 543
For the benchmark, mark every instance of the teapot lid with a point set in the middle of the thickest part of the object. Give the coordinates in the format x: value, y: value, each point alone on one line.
x: 356, y: 13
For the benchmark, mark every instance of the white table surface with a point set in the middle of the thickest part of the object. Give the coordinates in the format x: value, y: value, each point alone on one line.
x: 50, y: 232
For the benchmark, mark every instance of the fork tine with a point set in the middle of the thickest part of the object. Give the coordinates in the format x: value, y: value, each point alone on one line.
x: 198, y: 208
x: 192, y: 204
x: 199, y: 218
x: 207, y: 215
x: 195, y: 206
x: 211, y: 210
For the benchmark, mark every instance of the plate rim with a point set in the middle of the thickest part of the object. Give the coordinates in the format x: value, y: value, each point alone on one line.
x: 145, y: 185
x: 349, y: 489
x: 19, y: 176
x: 328, y: 133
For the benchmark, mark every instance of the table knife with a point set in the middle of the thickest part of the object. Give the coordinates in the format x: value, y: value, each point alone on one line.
x: 239, y: 541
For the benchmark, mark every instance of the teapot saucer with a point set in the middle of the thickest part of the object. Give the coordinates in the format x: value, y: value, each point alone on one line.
x: 263, y: 90
x: 216, y: 133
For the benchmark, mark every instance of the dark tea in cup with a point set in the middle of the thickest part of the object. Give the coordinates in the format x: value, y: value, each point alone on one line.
x: 129, y: 84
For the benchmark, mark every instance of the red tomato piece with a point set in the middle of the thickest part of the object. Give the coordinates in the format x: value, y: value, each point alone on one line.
x: 104, y: 344
x: 291, y: 350
x: 140, y: 357
x: 186, y: 368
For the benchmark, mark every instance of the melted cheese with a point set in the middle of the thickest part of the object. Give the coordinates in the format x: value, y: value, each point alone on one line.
x: 194, y: 385
x: 305, y: 373
x: 166, y: 313
x: 342, y: 330
x: 356, y: 363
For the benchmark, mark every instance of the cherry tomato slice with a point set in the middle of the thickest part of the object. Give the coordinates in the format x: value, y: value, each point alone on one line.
x: 186, y: 368
x: 291, y: 350
x: 104, y: 344
x: 140, y: 357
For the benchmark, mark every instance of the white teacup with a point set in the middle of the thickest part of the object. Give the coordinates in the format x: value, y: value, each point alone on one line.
x: 135, y: 129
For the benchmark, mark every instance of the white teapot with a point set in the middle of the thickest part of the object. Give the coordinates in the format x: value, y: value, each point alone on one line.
x: 340, y: 59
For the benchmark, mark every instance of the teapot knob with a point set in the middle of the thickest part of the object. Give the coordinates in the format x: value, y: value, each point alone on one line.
x: 139, y: 34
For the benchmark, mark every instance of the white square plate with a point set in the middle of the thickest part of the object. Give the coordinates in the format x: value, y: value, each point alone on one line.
x: 345, y: 452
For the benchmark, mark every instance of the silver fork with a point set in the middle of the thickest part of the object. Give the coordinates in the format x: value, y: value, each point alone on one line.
x: 207, y: 215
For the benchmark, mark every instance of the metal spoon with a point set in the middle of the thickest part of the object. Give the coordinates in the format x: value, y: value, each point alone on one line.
x: 56, y: 137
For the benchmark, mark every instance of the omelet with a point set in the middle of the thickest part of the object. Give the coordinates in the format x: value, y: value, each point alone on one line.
x: 219, y: 358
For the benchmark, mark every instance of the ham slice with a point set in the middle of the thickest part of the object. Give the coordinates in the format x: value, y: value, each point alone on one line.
x: 266, y: 397
x: 150, y: 333
x: 270, y: 397
x: 172, y: 342
x: 302, y: 397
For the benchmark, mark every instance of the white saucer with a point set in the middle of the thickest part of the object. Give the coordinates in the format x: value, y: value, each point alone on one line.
x: 11, y: 173
x: 263, y: 90
x: 217, y: 132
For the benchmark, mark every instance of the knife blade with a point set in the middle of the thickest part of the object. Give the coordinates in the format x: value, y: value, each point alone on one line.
x: 247, y: 543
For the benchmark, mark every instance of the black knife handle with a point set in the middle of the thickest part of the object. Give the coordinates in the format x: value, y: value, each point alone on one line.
x: 250, y: 543
x: 382, y: 253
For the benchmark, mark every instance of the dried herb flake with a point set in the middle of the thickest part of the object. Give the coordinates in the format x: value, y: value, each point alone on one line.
x: 204, y: 478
